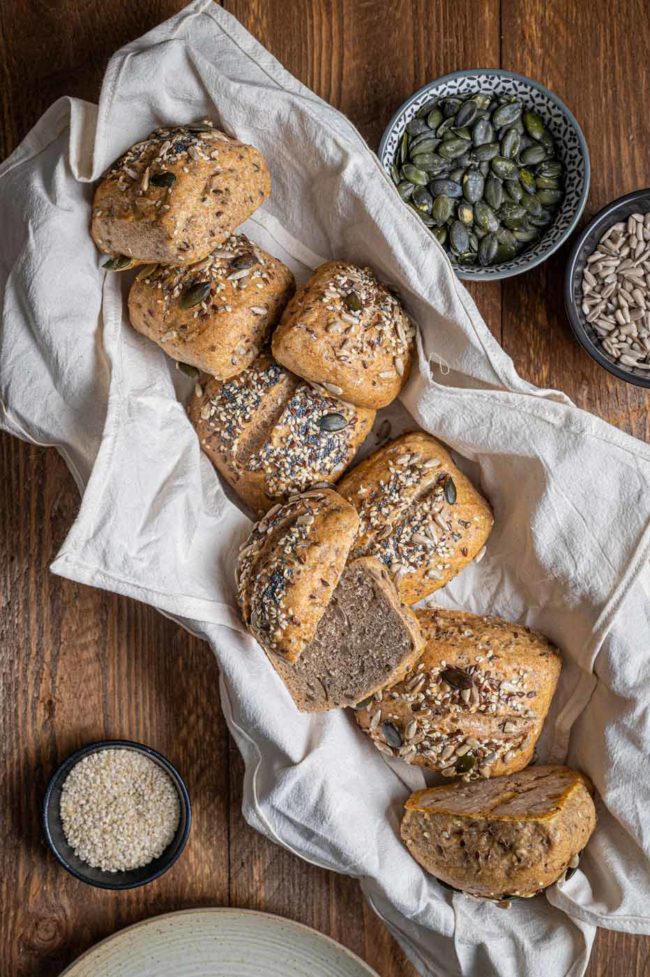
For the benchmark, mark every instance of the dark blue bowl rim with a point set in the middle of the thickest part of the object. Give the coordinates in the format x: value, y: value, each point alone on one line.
x: 598, y: 222
x: 179, y: 842
x: 584, y: 149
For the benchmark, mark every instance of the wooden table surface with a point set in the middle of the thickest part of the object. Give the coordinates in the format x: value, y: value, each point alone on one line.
x: 77, y: 664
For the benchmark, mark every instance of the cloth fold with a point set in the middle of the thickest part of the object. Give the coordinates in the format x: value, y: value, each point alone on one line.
x: 568, y: 555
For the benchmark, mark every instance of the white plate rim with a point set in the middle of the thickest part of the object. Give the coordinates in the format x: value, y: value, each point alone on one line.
x: 219, y: 910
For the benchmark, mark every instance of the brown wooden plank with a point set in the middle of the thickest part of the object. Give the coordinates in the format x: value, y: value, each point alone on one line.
x: 594, y: 56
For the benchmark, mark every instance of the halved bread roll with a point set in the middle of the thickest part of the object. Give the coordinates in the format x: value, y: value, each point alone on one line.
x: 271, y: 435
x: 334, y: 633
x: 510, y: 836
x: 420, y: 515
x: 216, y: 314
x: 348, y: 332
x: 174, y: 196
x: 474, y: 704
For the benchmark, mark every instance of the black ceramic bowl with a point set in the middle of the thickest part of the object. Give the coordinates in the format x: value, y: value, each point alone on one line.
x: 95, y: 876
x: 619, y: 210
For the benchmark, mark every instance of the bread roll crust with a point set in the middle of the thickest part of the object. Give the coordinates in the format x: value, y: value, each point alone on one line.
x: 345, y: 330
x: 267, y: 432
x: 420, y: 515
x: 216, y: 314
x: 176, y: 194
x: 290, y: 566
x: 510, y: 836
x: 474, y: 704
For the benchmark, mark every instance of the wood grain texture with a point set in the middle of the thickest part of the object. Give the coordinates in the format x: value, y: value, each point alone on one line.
x: 78, y: 664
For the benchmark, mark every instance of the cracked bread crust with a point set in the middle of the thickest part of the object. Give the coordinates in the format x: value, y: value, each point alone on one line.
x: 474, y: 704
x: 420, y: 515
x: 174, y: 196
x: 267, y: 433
x: 509, y: 836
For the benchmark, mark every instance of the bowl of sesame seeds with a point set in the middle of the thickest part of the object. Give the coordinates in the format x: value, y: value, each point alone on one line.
x: 116, y: 814
x: 607, y: 288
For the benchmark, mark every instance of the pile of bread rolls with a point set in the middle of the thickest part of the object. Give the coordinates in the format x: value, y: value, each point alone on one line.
x: 288, y: 389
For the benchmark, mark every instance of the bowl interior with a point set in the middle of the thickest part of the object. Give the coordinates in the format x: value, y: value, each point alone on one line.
x: 570, y: 143
x: 618, y: 210
x: 95, y: 876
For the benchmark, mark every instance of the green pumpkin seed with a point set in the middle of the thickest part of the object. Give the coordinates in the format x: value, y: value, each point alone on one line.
x: 434, y: 118
x: 405, y: 189
x: 465, y: 213
x: 546, y: 182
x: 194, y: 295
x: 121, y: 262
x: 467, y: 258
x: 415, y: 175
x: 422, y: 199
x: 531, y: 204
x: 483, y: 100
x: 188, y: 370
x: 444, y: 127
x: 404, y: 148
x: 549, y: 168
x: 426, y: 143
x: 484, y: 167
x: 449, y: 188
x: 364, y: 703
x: 392, y: 735
x: 332, y: 422
x: 510, y: 143
x: 483, y: 132
x: 526, y: 234
x: 487, y: 151
x: 487, y: 250
x: 494, y: 191
x: 458, y: 237
x: 442, y: 209
x: 534, y: 125
x: 353, y: 301
x: 506, y: 114
x: 507, y: 244
x: 243, y: 261
x: 462, y: 132
x: 513, y: 215
x: 451, y: 147
x: 533, y: 155
x: 164, y: 179
x: 426, y: 219
x: 456, y: 175
x: 467, y: 113
x: 473, y: 186
x: 440, y: 234
x: 394, y: 172
x: 485, y: 218
x: 549, y: 197
x: 514, y: 190
x: 505, y: 169
x: 465, y: 763
x: 416, y: 126
x: 424, y: 161
x: 527, y: 180
x: 473, y: 241
x: 199, y: 127
x: 450, y: 106
x: 543, y: 219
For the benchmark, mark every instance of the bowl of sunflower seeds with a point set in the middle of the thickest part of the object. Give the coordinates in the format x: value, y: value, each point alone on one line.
x: 494, y: 165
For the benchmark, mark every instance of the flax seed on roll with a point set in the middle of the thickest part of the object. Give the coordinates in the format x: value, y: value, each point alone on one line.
x: 420, y: 515
x: 174, y: 196
x: 216, y: 314
x: 348, y: 332
x: 474, y: 704
x: 271, y: 434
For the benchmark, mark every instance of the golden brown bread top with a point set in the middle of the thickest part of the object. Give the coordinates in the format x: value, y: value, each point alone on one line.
x: 215, y: 314
x: 272, y: 435
x: 290, y: 566
x: 474, y: 704
x: 420, y: 515
x: 177, y: 193
x: 348, y: 332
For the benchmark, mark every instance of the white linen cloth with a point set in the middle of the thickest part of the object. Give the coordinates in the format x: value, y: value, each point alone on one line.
x: 571, y: 495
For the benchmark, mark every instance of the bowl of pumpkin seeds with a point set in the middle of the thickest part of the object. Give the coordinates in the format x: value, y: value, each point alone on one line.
x: 493, y: 164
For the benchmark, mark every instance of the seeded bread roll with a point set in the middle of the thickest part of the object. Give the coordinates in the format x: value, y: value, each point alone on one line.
x: 174, y: 196
x: 290, y: 566
x: 475, y: 702
x: 419, y: 514
x: 347, y: 332
x: 217, y: 314
x: 271, y: 435
x: 510, y: 836
x: 335, y: 633
x: 365, y: 638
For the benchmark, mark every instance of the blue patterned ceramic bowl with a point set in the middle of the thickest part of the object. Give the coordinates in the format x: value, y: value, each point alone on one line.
x: 570, y: 144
